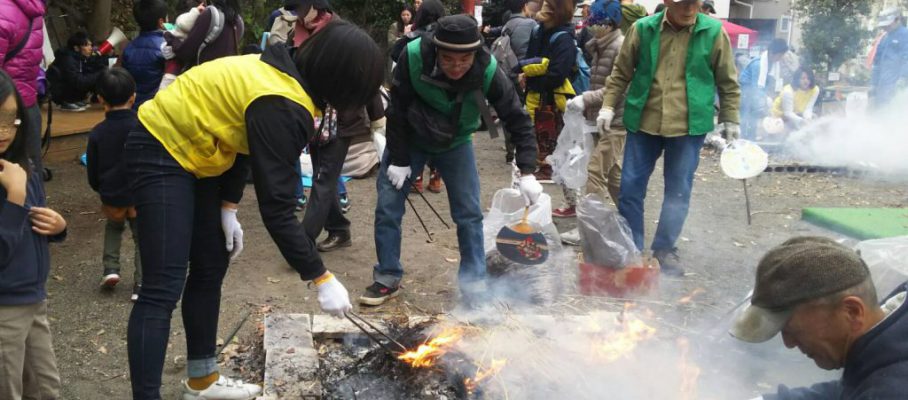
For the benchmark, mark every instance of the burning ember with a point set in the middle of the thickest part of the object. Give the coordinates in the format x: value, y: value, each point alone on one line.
x: 428, y: 353
x: 483, y: 374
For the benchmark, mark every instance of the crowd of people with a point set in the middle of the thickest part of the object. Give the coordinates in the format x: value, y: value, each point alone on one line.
x: 174, y: 169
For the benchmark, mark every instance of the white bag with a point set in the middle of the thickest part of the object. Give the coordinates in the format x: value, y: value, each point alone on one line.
x: 886, y: 260
x: 507, y: 209
x: 571, y: 157
x: 538, y: 284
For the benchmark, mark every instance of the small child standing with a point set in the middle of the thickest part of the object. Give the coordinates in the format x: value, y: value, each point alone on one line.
x: 28, y: 367
x: 143, y: 56
x: 107, y: 171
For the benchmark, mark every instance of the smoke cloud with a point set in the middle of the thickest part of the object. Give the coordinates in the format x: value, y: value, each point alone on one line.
x: 870, y: 139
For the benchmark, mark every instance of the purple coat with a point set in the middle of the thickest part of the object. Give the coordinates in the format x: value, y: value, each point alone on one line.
x: 23, y: 67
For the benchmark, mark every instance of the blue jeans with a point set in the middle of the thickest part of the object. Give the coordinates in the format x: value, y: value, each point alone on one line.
x: 682, y: 156
x: 179, y: 229
x: 458, y: 169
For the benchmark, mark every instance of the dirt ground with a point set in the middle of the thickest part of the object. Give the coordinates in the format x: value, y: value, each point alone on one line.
x: 718, y: 246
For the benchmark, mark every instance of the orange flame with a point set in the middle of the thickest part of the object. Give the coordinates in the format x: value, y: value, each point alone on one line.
x: 482, y: 375
x: 427, y: 353
x: 620, y: 344
x: 690, y: 297
x: 690, y: 372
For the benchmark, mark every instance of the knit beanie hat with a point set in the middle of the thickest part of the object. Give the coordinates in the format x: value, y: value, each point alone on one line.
x: 458, y: 33
x: 605, y: 12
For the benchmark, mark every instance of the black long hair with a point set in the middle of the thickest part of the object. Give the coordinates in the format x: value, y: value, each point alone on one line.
x: 341, y: 65
x: 429, y: 12
x: 16, y: 152
x: 796, y: 78
x: 230, y: 8
x: 400, y: 21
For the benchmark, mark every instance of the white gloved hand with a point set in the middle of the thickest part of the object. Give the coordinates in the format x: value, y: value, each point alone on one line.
x: 233, y: 232
x: 604, y: 120
x: 167, y: 51
x: 530, y: 188
x: 398, y: 175
x: 731, y: 132
x: 333, y: 296
x: 575, y: 104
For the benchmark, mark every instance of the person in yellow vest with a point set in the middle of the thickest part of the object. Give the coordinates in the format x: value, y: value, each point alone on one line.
x: 795, y: 104
x: 186, y: 184
x: 671, y: 65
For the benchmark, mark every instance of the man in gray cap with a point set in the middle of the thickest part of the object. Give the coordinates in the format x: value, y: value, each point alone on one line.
x: 439, y: 91
x: 820, y: 296
x: 890, y: 62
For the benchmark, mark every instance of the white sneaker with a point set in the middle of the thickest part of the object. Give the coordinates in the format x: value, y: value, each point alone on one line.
x: 571, y: 237
x: 110, y: 280
x: 224, y: 389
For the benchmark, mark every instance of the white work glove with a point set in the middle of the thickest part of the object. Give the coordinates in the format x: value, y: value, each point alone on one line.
x: 604, y: 120
x: 233, y: 232
x: 333, y: 297
x: 576, y: 104
x: 167, y: 51
x: 530, y: 189
x: 398, y: 175
x: 731, y: 132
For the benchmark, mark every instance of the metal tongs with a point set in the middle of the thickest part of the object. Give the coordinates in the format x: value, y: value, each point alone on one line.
x: 430, y: 238
x: 372, y: 335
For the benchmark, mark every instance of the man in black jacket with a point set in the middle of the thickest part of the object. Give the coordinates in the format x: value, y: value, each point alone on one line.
x: 74, y: 72
x: 820, y: 296
x: 440, y: 86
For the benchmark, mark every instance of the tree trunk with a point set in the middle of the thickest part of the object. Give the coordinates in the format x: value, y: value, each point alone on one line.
x: 99, y: 23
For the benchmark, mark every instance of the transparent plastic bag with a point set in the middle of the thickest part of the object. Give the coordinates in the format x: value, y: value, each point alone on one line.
x: 539, y: 284
x: 886, y: 260
x: 507, y: 209
x: 605, y: 236
x: 571, y: 157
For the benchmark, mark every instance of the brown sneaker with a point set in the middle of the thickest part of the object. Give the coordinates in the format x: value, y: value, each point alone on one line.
x: 435, y: 183
x: 417, y: 185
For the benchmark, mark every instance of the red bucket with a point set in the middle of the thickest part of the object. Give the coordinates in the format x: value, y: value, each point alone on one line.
x: 632, y: 280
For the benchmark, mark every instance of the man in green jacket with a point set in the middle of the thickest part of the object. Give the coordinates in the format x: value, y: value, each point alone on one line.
x: 671, y: 64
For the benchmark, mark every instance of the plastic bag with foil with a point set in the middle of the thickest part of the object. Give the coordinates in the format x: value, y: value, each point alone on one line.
x: 605, y: 236
x: 537, y: 284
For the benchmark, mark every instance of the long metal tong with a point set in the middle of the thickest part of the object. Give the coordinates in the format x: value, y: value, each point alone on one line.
x: 374, y: 335
x: 429, y: 234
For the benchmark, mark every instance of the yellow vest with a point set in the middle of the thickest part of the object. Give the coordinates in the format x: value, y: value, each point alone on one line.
x: 801, y: 98
x: 200, y: 117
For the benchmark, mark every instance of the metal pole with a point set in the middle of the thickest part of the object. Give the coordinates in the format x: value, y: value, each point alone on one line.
x: 746, y: 200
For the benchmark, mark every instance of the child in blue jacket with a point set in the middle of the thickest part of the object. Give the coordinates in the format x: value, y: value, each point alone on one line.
x: 143, y: 57
x: 28, y: 367
x: 107, y: 172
